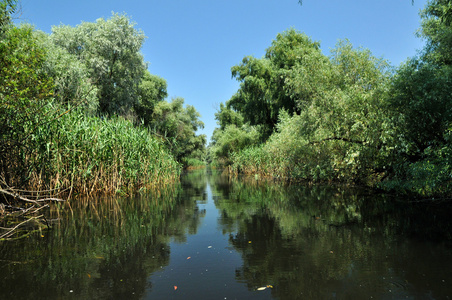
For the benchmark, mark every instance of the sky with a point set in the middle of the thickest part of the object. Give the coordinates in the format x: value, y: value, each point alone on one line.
x: 193, y: 44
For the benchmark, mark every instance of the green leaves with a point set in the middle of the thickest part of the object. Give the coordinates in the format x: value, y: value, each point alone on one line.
x: 436, y: 29
x: 422, y: 110
x: 177, y: 125
x: 421, y: 97
x: 151, y: 91
x: 110, y: 50
x: 263, y: 90
x: 7, y: 8
x: 24, y: 93
x: 328, y: 112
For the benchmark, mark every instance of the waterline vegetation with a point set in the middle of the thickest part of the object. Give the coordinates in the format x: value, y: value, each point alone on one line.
x: 348, y: 117
x: 80, y: 115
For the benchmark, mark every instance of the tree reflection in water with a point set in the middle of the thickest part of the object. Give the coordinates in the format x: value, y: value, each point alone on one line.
x: 302, y: 241
x: 321, y: 242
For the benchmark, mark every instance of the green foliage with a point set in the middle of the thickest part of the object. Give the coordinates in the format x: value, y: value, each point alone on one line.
x: 110, y: 50
x: 422, y: 114
x: 72, y: 83
x: 230, y: 140
x: 421, y: 99
x: 193, y: 163
x: 24, y: 93
x: 436, y: 29
x: 91, y: 154
x: 352, y: 118
x: 226, y: 116
x: 53, y: 87
x: 263, y: 91
x: 7, y: 8
x: 151, y: 91
x: 177, y: 125
x: 338, y: 130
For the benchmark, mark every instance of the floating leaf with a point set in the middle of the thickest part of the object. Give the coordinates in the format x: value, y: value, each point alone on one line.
x: 175, y: 287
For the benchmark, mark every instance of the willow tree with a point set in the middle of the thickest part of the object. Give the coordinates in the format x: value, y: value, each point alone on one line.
x: 151, y: 91
x: 177, y: 125
x: 420, y: 98
x: 262, y: 93
x: 110, y: 49
x: 7, y: 8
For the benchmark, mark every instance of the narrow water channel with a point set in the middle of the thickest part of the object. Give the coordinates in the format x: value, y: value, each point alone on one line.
x: 215, y: 237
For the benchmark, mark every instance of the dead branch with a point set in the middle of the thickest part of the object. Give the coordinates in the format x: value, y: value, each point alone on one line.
x: 17, y: 196
x: 13, y: 229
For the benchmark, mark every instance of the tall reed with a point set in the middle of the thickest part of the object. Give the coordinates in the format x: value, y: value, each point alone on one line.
x: 91, y: 155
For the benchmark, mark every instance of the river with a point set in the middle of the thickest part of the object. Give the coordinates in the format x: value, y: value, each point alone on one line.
x: 215, y: 237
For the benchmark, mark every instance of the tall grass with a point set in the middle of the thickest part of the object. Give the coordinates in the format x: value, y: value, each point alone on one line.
x: 91, y: 155
x: 264, y: 162
x: 193, y: 163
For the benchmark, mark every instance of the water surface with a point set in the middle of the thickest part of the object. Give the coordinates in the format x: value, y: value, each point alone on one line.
x: 214, y: 237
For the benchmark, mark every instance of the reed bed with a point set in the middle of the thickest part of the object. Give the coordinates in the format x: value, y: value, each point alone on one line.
x: 260, y: 161
x: 193, y: 163
x: 90, y: 155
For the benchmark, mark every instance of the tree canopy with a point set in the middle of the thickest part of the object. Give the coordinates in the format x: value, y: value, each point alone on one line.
x: 348, y: 116
x: 263, y: 92
x: 110, y: 50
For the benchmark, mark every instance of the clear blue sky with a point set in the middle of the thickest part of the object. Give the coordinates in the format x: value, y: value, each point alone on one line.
x: 193, y: 44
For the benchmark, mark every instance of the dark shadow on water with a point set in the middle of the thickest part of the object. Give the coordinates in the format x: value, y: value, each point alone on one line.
x: 296, y: 241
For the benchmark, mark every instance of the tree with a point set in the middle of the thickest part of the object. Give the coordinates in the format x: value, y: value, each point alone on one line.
x: 178, y: 125
x: 231, y: 139
x: 7, y: 8
x: 24, y: 92
x: 263, y: 92
x: 421, y: 97
x: 436, y: 29
x: 336, y: 124
x: 110, y: 49
x: 226, y: 116
x: 72, y: 82
x: 422, y: 109
x: 422, y: 86
x: 151, y: 91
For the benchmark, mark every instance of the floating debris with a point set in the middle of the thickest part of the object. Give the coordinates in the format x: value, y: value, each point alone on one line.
x: 265, y: 287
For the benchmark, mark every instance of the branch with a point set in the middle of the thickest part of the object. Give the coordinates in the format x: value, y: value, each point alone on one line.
x: 17, y: 196
x: 11, y: 230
